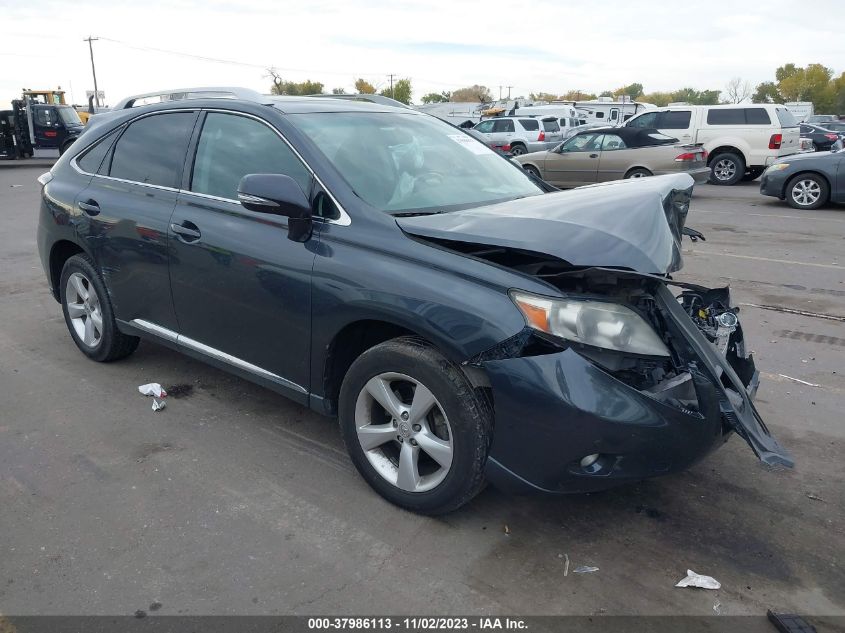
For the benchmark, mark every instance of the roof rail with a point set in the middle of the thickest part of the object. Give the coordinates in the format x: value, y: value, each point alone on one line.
x: 379, y: 99
x: 214, y: 92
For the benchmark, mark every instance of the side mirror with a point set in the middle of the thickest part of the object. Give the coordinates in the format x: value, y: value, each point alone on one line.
x: 279, y: 195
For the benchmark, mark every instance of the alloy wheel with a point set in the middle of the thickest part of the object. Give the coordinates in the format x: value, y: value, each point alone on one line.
x: 83, y: 309
x: 806, y: 192
x: 724, y: 169
x: 404, y: 432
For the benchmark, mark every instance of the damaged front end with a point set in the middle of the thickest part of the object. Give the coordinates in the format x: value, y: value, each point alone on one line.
x: 607, y: 415
x: 614, y: 378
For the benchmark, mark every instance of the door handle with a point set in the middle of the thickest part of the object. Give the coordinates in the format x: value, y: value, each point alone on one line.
x: 187, y: 231
x: 90, y: 207
x: 594, y: 155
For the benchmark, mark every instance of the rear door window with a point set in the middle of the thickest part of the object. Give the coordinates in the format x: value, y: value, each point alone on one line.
x: 503, y: 125
x: 232, y: 146
x: 673, y: 120
x: 152, y: 149
x: 530, y: 125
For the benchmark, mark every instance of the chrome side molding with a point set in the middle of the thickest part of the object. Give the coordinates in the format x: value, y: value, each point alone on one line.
x: 202, y: 348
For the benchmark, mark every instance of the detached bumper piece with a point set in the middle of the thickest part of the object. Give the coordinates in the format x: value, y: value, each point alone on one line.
x: 567, y: 422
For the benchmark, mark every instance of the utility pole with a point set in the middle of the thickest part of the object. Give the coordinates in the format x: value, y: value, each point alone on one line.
x: 500, y: 93
x: 509, y: 91
x: 90, y: 39
x: 391, y: 75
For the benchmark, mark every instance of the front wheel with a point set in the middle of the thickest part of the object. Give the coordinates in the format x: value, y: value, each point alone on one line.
x: 533, y: 171
x: 807, y: 191
x: 414, y: 426
x: 726, y: 169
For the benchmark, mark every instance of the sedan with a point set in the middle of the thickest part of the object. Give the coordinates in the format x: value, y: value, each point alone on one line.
x: 821, y: 138
x: 806, y: 181
x: 610, y: 153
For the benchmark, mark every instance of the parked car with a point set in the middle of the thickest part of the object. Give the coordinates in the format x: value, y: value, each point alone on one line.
x: 741, y: 140
x: 611, y: 153
x: 520, y: 135
x: 807, y: 181
x: 834, y: 126
x: 821, y: 138
x: 376, y: 264
x: 581, y: 128
x: 820, y: 119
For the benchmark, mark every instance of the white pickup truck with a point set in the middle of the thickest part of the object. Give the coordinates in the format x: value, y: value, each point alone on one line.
x: 741, y: 140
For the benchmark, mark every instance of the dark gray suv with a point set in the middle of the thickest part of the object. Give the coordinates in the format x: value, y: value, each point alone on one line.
x: 462, y: 320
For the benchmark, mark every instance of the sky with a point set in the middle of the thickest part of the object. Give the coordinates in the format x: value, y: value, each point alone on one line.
x: 543, y: 45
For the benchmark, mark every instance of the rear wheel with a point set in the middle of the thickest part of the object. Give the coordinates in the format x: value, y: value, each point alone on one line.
x: 807, y: 191
x: 533, y: 171
x: 65, y: 146
x: 727, y: 169
x: 518, y: 149
x: 752, y: 174
x: 414, y: 426
x: 638, y: 172
x: 88, y: 312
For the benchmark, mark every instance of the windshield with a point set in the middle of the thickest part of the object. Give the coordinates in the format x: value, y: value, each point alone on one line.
x: 401, y: 162
x: 69, y: 116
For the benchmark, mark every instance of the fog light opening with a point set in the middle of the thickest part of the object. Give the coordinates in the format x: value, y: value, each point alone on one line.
x: 589, y: 460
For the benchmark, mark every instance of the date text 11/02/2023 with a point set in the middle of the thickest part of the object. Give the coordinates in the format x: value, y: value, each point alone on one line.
x: 417, y: 623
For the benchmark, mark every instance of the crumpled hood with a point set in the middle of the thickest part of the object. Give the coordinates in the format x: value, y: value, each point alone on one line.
x: 634, y: 224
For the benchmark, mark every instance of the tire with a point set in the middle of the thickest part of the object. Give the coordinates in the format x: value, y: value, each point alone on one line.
x: 533, y: 171
x: 727, y: 169
x: 518, y: 149
x: 457, y: 426
x: 65, y: 146
x: 83, y: 310
x: 752, y: 174
x: 638, y: 172
x: 813, y: 147
x: 807, y: 191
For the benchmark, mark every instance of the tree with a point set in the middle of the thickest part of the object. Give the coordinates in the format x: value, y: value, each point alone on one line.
x: 633, y: 91
x: 577, y: 95
x: 737, y: 90
x: 338, y: 91
x: 660, y: 99
x: 472, y: 94
x: 364, y: 87
x: 401, y: 91
x: 434, y: 97
x: 282, y: 87
x: 767, y: 92
x: 542, y: 96
x: 606, y: 93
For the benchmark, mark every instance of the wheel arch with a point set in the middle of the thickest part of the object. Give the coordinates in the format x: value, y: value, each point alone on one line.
x: 727, y: 148
x: 636, y: 167
x: 356, y: 337
x: 60, y: 252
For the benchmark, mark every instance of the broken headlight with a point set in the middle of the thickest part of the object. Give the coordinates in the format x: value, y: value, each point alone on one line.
x: 597, y: 323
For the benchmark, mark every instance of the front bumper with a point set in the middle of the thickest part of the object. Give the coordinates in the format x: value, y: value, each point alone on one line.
x: 774, y: 183
x: 553, y: 410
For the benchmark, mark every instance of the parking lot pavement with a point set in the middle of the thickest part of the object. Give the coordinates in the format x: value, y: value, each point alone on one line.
x: 234, y: 500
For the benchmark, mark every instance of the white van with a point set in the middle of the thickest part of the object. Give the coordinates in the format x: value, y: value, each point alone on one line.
x: 741, y: 139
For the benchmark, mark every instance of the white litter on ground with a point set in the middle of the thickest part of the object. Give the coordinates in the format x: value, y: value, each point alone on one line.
x: 153, y: 389
x: 585, y: 569
x: 158, y: 405
x: 697, y: 580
